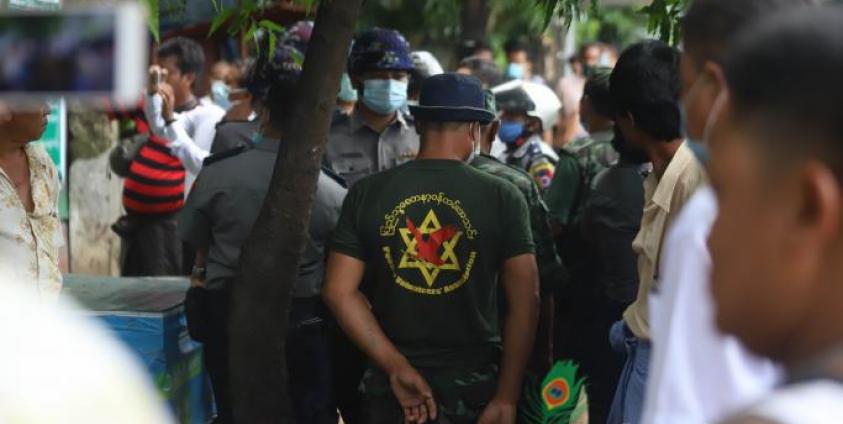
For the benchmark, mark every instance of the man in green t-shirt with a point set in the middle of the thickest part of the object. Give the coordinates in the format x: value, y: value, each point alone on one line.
x: 433, y: 238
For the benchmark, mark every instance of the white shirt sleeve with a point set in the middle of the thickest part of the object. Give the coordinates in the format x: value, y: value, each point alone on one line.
x: 697, y: 374
x: 152, y: 108
x: 183, y: 147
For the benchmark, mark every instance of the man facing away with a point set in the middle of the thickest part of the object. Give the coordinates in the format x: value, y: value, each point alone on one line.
x: 777, y: 242
x: 645, y: 90
x: 689, y: 354
x: 433, y: 238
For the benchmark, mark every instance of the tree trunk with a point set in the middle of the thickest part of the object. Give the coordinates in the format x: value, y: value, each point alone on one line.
x: 475, y: 16
x: 270, y: 256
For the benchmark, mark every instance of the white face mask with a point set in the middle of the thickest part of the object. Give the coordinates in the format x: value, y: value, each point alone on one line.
x: 475, y: 147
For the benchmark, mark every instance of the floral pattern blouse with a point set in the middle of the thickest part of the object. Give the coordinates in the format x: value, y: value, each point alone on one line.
x: 30, y: 241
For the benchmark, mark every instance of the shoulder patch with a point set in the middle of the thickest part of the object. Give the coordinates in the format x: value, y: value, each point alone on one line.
x: 225, y: 154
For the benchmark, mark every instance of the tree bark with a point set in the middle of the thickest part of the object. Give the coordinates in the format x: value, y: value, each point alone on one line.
x: 270, y: 256
x: 475, y: 16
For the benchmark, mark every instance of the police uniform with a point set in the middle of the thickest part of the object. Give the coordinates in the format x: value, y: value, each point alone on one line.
x: 219, y: 214
x: 355, y: 150
x: 534, y: 157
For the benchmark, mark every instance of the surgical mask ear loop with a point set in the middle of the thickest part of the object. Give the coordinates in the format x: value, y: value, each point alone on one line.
x: 714, y: 115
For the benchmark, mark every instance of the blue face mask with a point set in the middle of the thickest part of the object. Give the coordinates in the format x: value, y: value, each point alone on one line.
x: 384, y: 96
x: 347, y: 93
x: 257, y: 137
x: 515, y: 71
x: 219, y: 94
x: 510, y: 131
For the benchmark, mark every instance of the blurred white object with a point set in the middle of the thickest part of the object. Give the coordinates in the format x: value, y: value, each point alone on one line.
x: 426, y: 63
x: 58, y: 367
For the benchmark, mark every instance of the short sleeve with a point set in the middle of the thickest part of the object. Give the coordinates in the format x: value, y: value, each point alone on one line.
x: 561, y: 194
x: 517, y: 236
x: 347, y: 237
x: 194, y: 224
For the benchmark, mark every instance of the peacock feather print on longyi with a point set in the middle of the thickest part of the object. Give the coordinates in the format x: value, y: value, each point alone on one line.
x: 558, y: 399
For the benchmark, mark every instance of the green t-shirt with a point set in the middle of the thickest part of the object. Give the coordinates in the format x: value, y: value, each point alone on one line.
x: 434, y: 235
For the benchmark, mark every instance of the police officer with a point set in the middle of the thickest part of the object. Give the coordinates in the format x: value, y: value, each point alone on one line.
x: 219, y: 215
x: 437, y: 239
x: 376, y: 135
x: 552, y: 274
x: 521, y: 130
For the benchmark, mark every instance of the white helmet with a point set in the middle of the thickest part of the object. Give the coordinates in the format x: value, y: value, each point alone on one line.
x: 546, y: 102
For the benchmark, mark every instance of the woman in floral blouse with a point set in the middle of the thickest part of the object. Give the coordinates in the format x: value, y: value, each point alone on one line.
x: 30, y: 230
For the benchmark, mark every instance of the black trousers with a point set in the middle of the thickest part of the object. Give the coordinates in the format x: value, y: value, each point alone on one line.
x: 308, y: 354
x: 150, y: 245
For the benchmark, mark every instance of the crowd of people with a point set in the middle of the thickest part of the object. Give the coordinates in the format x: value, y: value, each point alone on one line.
x: 669, y: 220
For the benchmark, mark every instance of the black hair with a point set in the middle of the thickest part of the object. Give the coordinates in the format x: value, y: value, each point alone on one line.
x: 486, y: 71
x: 188, y: 53
x: 709, y: 25
x: 597, y: 89
x: 516, y: 45
x: 645, y: 84
x: 471, y: 47
x: 794, y: 100
x: 279, y: 100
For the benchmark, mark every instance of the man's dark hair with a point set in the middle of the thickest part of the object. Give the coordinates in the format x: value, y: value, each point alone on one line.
x: 280, y: 99
x: 188, y: 53
x: 793, y: 96
x: 597, y: 89
x: 486, y: 71
x: 516, y: 45
x: 645, y: 84
x: 628, y: 153
x: 709, y: 25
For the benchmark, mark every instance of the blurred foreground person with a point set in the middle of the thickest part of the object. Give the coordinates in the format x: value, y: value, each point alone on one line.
x: 30, y: 230
x: 690, y: 355
x: 433, y: 240
x: 58, y: 367
x: 217, y: 218
x: 645, y: 92
x: 777, y: 242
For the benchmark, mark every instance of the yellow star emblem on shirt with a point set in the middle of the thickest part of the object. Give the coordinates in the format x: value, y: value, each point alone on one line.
x: 429, y: 261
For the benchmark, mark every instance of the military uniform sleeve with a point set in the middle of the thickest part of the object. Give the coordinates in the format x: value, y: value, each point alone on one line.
x: 347, y: 238
x: 552, y: 274
x: 561, y: 194
x: 194, y: 220
x: 515, y: 216
x: 542, y: 170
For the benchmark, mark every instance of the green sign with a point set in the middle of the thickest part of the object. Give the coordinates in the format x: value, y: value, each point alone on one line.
x: 54, y: 141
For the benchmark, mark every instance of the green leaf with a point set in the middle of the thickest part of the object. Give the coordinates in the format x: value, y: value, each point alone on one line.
x: 216, y: 5
x: 152, y: 20
x: 273, y: 41
x: 271, y: 26
x: 221, y: 19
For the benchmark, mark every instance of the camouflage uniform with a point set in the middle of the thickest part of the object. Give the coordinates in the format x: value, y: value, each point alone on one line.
x: 552, y: 273
x: 460, y: 395
x: 534, y: 157
x: 578, y: 165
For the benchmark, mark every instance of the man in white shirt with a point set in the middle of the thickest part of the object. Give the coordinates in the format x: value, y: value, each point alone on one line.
x: 699, y: 375
x: 172, y: 109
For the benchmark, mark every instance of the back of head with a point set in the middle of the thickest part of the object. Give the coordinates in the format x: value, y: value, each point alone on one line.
x: 188, y: 54
x: 597, y: 89
x: 645, y: 85
x: 485, y: 70
x: 516, y: 45
x: 709, y: 25
x: 273, y: 82
x: 793, y: 96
